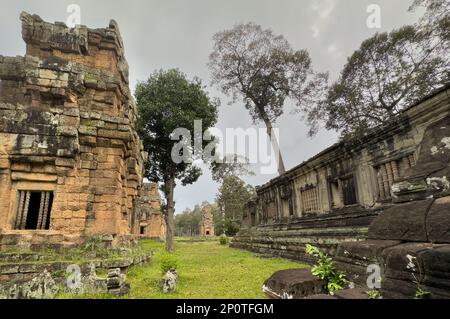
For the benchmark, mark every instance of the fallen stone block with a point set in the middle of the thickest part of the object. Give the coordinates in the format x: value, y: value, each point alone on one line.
x: 294, y: 284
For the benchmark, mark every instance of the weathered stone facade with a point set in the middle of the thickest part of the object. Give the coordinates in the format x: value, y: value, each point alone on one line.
x: 410, y: 241
x: 151, y: 220
x: 71, y: 162
x: 333, y: 197
x: 207, y: 223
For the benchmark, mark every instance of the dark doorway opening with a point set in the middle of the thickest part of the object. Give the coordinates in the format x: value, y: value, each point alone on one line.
x: 207, y: 232
x: 349, y: 191
x: 142, y: 230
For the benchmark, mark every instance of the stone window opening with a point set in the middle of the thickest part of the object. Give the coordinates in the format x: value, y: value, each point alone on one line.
x: 388, y: 172
x: 33, y: 210
x: 310, y: 199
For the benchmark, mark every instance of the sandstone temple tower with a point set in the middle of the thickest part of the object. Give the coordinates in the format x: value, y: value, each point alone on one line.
x: 71, y: 162
x: 151, y: 220
x: 207, y: 223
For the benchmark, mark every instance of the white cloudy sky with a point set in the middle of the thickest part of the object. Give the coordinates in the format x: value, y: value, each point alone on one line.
x: 178, y: 34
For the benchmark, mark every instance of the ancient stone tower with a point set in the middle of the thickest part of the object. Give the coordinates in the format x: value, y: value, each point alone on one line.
x: 207, y: 223
x: 151, y: 220
x: 71, y: 162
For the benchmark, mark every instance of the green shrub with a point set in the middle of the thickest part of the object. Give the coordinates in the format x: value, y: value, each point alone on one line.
x: 223, y: 239
x: 325, y: 269
x: 168, y: 261
x: 374, y: 294
x: 422, y: 293
x: 231, y: 227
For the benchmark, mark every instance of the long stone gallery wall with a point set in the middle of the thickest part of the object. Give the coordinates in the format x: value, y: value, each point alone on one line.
x: 333, y: 197
x: 71, y: 162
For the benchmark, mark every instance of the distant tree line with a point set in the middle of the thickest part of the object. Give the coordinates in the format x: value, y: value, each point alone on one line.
x: 227, y: 210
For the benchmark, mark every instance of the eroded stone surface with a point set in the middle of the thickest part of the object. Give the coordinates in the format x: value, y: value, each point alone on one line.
x: 294, y: 284
x: 67, y: 127
x: 405, y: 222
x: 169, y: 281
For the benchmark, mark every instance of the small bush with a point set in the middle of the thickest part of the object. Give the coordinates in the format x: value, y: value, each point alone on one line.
x: 374, y: 294
x: 223, y: 239
x: 168, y: 261
x: 325, y: 269
x: 231, y: 227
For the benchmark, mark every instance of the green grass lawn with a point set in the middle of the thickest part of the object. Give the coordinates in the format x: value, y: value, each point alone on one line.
x: 206, y: 270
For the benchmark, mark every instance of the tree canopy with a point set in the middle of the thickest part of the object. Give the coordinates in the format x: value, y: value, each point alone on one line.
x: 389, y: 72
x: 232, y: 196
x: 168, y: 101
x: 263, y: 70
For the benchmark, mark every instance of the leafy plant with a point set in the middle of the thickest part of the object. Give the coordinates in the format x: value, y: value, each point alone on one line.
x: 223, y: 239
x: 374, y: 294
x: 325, y: 269
x: 415, y: 267
x: 168, y: 262
x: 422, y: 293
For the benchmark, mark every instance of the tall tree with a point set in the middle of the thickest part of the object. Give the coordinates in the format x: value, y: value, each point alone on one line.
x: 387, y: 73
x: 169, y: 101
x: 262, y: 69
x: 232, y: 196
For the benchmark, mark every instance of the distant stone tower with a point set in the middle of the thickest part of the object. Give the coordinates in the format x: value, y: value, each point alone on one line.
x: 151, y: 223
x: 207, y: 223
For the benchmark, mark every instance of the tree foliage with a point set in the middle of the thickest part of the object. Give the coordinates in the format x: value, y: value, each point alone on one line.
x: 389, y: 72
x: 168, y: 101
x: 232, y: 196
x: 187, y: 223
x: 231, y: 165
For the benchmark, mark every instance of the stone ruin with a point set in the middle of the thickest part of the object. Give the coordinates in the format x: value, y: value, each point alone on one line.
x: 71, y: 162
x: 383, y: 200
x: 207, y: 223
x: 151, y: 220
x: 410, y: 241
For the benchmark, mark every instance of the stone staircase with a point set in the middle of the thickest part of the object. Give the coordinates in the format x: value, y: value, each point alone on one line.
x: 288, y: 240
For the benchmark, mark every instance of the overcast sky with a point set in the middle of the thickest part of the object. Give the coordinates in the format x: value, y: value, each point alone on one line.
x: 178, y: 34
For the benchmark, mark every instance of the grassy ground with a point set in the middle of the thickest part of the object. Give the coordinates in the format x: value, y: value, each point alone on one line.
x: 206, y: 270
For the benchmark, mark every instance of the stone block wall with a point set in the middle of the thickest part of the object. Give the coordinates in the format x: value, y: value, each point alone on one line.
x: 410, y: 241
x: 67, y: 127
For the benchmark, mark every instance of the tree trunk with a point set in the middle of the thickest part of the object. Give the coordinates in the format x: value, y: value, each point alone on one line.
x: 222, y: 208
x: 274, y: 142
x: 170, y: 185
